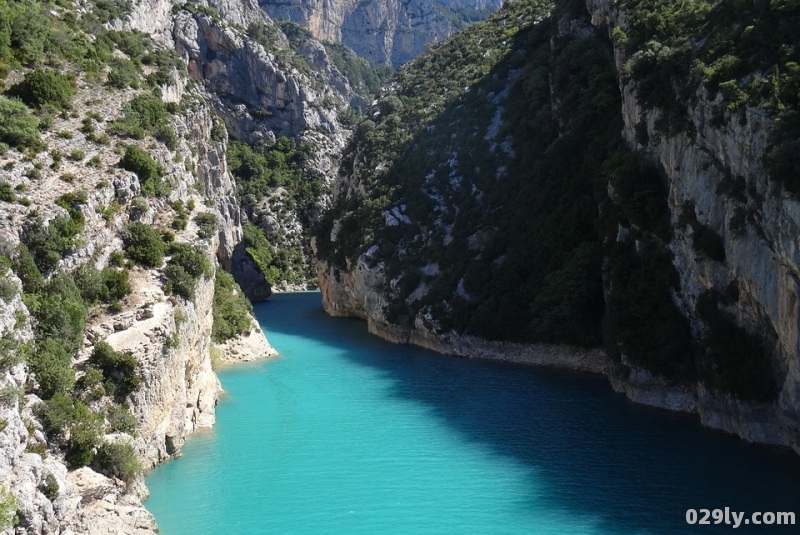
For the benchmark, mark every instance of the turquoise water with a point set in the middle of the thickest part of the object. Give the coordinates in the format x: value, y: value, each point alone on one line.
x: 346, y: 434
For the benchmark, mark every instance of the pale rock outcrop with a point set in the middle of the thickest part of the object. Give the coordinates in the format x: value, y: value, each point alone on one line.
x: 248, y: 347
x: 179, y: 390
x: 105, y: 506
x: 261, y: 95
x: 386, y: 32
x: 289, y: 102
x: 359, y: 292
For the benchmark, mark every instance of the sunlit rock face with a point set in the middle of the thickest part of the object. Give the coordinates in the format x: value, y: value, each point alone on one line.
x: 386, y: 32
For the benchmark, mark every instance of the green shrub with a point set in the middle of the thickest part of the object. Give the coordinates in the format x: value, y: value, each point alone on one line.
x: 146, y: 113
x: 73, y: 202
x: 218, y: 130
x: 140, y: 162
x: 60, y: 413
x: 77, y: 155
x: 259, y: 249
x: 8, y: 288
x: 207, y: 225
x: 10, y: 395
x: 50, y: 363
x: 179, y: 281
x: 12, y: 352
x: 89, y: 282
x: 47, y: 244
x: 120, y: 459
x: 18, y: 127
x: 7, y: 192
x: 180, y: 222
x: 166, y: 134
x: 117, y: 284
x: 24, y: 266
x: 120, y: 419
x: 364, y: 79
x: 143, y: 245
x: 8, y: 509
x: 108, y: 10
x: 50, y: 487
x: 124, y: 73
x: 106, y: 286
x: 187, y: 264
x: 60, y: 313
x: 91, y: 382
x: 40, y: 88
x: 231, y: 309
x: 57, y: 413
x: 46, y: 117
x: 116, y: 259
x: 119, y: 368
x: 84, y: 437
x: 192, y: 258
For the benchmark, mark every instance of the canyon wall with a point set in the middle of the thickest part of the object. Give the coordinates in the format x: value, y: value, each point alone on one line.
x: 386, y: 32
x: 169, y: 336
x: 756, y: 264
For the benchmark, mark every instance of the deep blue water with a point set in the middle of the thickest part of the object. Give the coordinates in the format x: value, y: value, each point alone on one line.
x: 347, y: 434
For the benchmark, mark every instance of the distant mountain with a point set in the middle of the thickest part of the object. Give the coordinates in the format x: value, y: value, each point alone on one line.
x: 386, y: 32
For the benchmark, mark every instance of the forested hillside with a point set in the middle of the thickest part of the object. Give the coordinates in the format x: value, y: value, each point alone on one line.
x: 622, y: 176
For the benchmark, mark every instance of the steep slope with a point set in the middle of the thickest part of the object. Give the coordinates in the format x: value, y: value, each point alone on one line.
x: 117, y: 207
x: 386, y: 32
x: 266, y: 86
x: 543, y: 177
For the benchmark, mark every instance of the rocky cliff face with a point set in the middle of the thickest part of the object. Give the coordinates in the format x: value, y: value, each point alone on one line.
x: 359, y: 293
x: 386, y: 32
x: 169, y: 337
x: 761, y: 259
x: 716, y: 184
x: 263, y: 88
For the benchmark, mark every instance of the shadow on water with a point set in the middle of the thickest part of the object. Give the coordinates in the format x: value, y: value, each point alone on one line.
x: 630, y: 468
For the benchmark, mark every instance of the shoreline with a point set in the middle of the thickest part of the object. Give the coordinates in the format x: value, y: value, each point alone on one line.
x: 752, y: 422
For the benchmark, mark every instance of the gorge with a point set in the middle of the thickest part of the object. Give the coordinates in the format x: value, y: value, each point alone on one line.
x: 346, y: 433
x: 599, y: 185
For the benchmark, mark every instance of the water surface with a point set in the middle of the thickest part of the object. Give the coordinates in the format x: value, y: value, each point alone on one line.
x: 347, y: 434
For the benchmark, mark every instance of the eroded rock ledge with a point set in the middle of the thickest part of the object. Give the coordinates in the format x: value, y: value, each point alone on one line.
x: 358, y: 292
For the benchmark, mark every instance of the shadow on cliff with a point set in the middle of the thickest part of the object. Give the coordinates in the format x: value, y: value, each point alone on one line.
x: 600, y: 458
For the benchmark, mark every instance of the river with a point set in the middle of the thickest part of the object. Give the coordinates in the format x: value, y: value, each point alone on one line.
x: 347, y: 434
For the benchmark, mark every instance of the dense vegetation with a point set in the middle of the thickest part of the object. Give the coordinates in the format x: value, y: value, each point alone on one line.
x: 364, y: 78
x: 746, y: 51
x: 56, y: 59
x: 59, y: 307
x: 186, y: 265
x: 280, y: 174
x: 502, y: 201
x: 231, y: 309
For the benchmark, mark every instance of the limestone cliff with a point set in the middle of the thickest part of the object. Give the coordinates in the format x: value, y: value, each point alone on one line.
x: 761, y: 259
x: 697, y: 241
x: 386, y: 32
x: 168, y: 336
x: 264, y: 87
